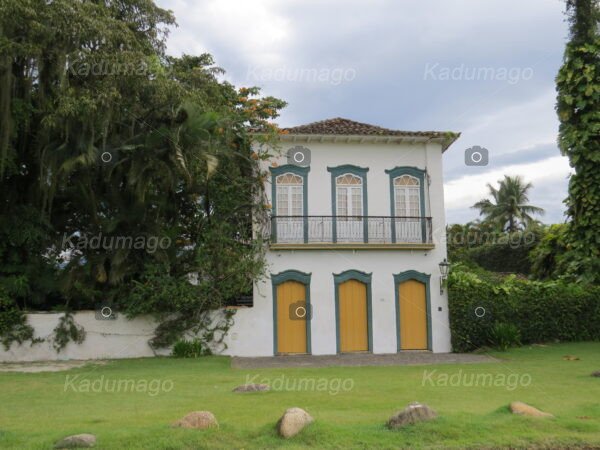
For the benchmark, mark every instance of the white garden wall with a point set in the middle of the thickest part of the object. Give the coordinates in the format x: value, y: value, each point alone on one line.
x: 120, y: 338
x: 112, y: 339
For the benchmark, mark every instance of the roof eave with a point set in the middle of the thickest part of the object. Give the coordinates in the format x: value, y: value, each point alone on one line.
x: 445, y: 139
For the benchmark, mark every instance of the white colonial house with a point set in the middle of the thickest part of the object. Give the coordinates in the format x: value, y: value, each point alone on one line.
x: 356, y: 240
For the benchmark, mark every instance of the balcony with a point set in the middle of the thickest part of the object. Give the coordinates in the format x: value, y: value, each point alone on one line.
x: 351, y: 232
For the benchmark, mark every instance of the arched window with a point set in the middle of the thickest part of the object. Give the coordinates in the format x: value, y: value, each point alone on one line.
x: 407, y: 199
x: 407, y: 193
x: 349, y: 195
x: 290, y: 195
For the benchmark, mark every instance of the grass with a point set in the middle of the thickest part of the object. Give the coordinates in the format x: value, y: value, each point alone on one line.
x: 38, y: 409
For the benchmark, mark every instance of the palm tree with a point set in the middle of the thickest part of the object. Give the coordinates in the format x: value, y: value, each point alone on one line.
x: 509, y: 208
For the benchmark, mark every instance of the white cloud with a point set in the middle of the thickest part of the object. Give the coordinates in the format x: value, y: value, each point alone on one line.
x: 462, y: 193
x: 521, y: 125
x: 388, y: 43
x: 253, y: 30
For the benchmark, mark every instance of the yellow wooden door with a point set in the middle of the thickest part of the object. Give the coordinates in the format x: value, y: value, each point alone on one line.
x: 413, y: 315
x: 353, y: 320
x: 291, y: 327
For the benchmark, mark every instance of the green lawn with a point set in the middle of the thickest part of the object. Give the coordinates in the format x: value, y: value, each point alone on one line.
x: 38, y: 409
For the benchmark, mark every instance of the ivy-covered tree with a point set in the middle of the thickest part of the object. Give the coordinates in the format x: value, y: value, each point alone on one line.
x: 104, y: 135
x: 578, y: 108
x: 550, y: 256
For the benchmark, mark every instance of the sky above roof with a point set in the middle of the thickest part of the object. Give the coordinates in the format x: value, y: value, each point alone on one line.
x: 484, y: 68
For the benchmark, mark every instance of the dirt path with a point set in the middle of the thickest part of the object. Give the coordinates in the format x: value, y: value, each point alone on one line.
x: 45, y: 366
x: 360, y: 359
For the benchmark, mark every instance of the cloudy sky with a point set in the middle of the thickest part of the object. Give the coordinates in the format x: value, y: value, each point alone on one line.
x: 484, y: 68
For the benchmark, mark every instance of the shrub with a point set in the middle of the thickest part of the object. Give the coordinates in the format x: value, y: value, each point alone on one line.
x: 501, y: 258
x: 13, y: 323
x: 497, y: 251
x: 541, y: 311
x: 181, y: 307
x: 504, y: 335
x: 551, y: 258
x: 190, y: 349
x: 67, y: 330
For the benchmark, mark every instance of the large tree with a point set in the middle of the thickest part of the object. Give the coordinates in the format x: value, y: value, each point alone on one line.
x: 104, y: 135
x: 578, y: 108
x: 509, y: 208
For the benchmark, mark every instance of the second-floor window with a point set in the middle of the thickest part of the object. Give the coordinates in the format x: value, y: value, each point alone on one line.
x: 349, y: 195
x: 290, y: 195
x: 407, y: 188
x: 407, y: 196
x: 290, y: 207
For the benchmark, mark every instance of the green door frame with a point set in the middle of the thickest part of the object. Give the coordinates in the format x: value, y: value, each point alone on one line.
x: 364, y: 278
x: 300, y: 277
x: 423, y: 278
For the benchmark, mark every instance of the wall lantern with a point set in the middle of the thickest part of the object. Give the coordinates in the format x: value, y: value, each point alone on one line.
x: 444, y: 269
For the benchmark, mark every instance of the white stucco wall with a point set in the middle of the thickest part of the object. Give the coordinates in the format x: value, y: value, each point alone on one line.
x: 322, y: 264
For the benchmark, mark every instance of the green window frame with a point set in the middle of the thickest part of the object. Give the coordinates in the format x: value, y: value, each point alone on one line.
x: 359, y: 172
x: 425, y: 279
x: 365, y: 278
x: 421, y: 175
x: 300, y: 277
x: 296, y: 170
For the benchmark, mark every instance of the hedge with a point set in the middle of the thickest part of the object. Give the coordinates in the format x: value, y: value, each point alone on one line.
x: 502, y: 257
x: 543, y: 311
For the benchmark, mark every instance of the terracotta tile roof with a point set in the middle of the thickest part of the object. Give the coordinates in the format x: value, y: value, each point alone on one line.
x: 340, y: 126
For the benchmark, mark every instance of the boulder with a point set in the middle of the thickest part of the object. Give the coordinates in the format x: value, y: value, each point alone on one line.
x: 293, y: 422
x: 77, y: 441
x: 252, y: 387
x: 198, y: 419
x: 596, y: 373
x: 524, y: 409
x: 413, y: 413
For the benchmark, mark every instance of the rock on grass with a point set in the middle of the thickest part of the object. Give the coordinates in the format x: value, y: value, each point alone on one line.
x: 523, y: 409
x: 198, y: 419
x: 413, y: 413
x: 293, y: 422
x: 77, y: 441
x: 252, y: 387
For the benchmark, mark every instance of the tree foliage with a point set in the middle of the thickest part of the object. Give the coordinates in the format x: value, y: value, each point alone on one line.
x: 104, y: 135
x: 578, y: 108
x: 550, y: 258
x: 509, y: 208
x: 498, y: 251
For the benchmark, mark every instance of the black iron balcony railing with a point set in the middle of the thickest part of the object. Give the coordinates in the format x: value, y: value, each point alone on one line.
x: 350, y: 229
